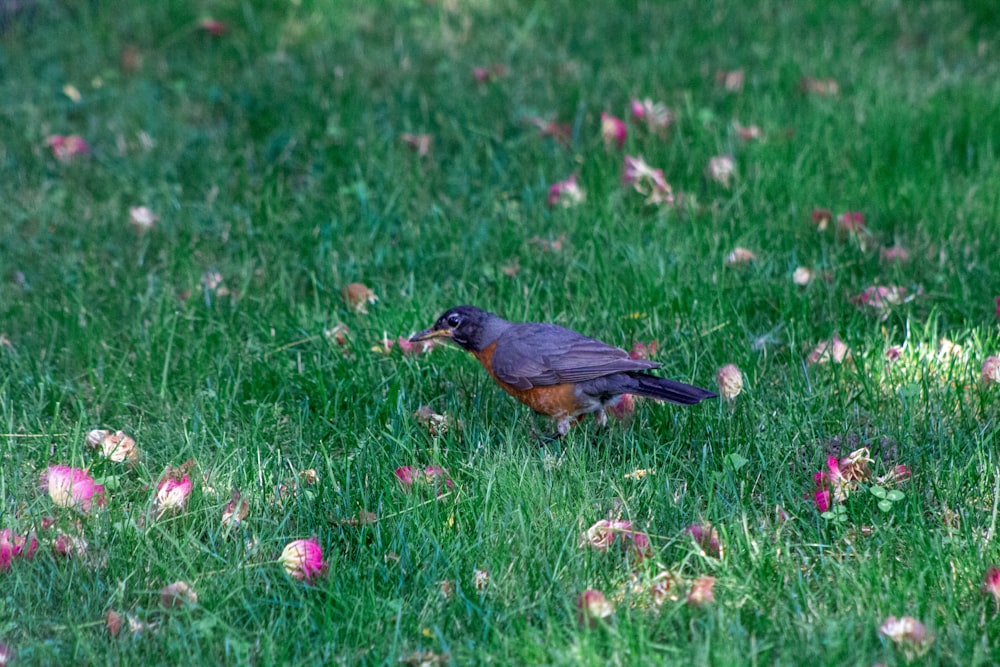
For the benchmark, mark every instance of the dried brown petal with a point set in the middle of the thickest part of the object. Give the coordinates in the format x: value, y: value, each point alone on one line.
x: 177, y: 594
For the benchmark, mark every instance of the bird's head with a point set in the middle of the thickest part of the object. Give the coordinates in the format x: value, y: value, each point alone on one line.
x: 466, y: 326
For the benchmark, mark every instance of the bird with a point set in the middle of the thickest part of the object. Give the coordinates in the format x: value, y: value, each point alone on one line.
x: 554, y: 370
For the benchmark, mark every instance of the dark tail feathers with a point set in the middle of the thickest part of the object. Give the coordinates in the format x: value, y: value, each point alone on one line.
x: 663, y: 389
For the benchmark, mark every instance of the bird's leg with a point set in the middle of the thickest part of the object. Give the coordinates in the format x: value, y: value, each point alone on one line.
x: 601, y: 417
x: 563, y: 425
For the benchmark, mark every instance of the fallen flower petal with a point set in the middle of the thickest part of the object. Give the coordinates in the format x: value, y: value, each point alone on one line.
x: 643, y: 350
x: 418, y: 143
x: 7, y: 655
x: 833, y: 350
x: 480, y: 580
x: 358, y: 296
x: 213, y: 27
x: 435, y: 424
x: 303, y: 559
x: 622, y: 407
x: 593, y: 606
x: 740, y: 256
x: 904, y: 630
x: 991, y: 583
x: 702, y: 591
x: 613, y: 131
x: 990, y: 373
x: 731, y: 80
x: 72, y: 487
x: 177, y: 594
x: 895, y: 254
x: 821, y: 87
x: 707, y: 538
x: 565, y: 193
x: 142, y: 218
x: 656, y: 116
x: 117, y: 446
x: 409, y: 476
x: 822, y: 217
x: 730, y: 381
x: 851, y: 222
x: 721, y: 169
x: 66, y: 148
x: 803, y: 276
x: 235, y: 511
x: 113, y: 622
x: 602, y: 535
x: 172, y: 493
x: 749, y: 132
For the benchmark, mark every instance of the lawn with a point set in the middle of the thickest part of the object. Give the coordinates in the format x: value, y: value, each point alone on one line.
x: 190, y: 190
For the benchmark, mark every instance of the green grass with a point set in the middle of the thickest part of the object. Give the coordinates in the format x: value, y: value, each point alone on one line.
x: 275, y: 158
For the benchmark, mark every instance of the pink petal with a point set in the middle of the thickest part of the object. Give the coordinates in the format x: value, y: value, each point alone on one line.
x: 303, y: 559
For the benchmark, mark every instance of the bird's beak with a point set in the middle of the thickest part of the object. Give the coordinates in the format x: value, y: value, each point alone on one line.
x: 428, y: 334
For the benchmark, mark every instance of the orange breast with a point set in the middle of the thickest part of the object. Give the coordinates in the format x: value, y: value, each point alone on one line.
x: 558, y: 400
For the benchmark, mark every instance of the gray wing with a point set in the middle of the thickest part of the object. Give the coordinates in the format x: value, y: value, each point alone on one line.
x: 539, y: 355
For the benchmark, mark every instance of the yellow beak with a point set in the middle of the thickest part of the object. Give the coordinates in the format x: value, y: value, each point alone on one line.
x: 427, y: 334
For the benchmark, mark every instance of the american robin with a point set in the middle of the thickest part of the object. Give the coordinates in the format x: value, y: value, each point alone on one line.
x: 554, y: 370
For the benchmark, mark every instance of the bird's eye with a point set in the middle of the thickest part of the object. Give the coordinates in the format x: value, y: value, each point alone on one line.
x: 454, y: 320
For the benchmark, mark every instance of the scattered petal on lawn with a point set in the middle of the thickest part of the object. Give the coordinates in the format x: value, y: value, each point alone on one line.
x: 593, y: 606
x: 893, y: 353
x: 14, y: 546
x: 116, y: 446
x: 447, y: 588
x: 748, y: 132
x: 663, y: 587
x: 487, y: 74
x: 851, y: 222
x: 358, y: 297
x: 821, y: 87
x: 561, y: 132
x: 142, y: 218
x: 998, y: 306
x: 72, y: 92
x: 803, y: 276
x: 68, y: 545
x: 425, y: 659
x: 7, y: 655
x: 435, y: 424
x: 177, y: 594
x: 991, y: 371
x: 821, y: 498
x: 647, y: 181
x: 339, y: 333
x: 565, y: 193
x: 706, y: 537
x: 66, y: 148
x: 740, y: 256
x: 410, y: 349
x: 72, y: 487
x: 411, y: 476
x: 603, y: 533
x: 613, y: 131
x: 172, y: 493
x: 548, y: 245
x: 731, y: 80
x: 623, y: 407
x: 213, y: 27
x: 904, y: 631
x: 511, y: 268
x: 822, y: 217
x: 481, y: 579
x: 418, y: 143
x: 656, y: 116
x: 6, y: 550
x: 212, y: 281
x: 895, y: 254
x: 303, y: 559
x: 880, y: 298
x: 113, y: 622
x: 640, y: 473
x: 643, y: 350
x: 730, y: 381
x: 235, y: 511
x: 991, y: 583
x: 829, y: 351
x: 702, y: 591
x: 721, y: 169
